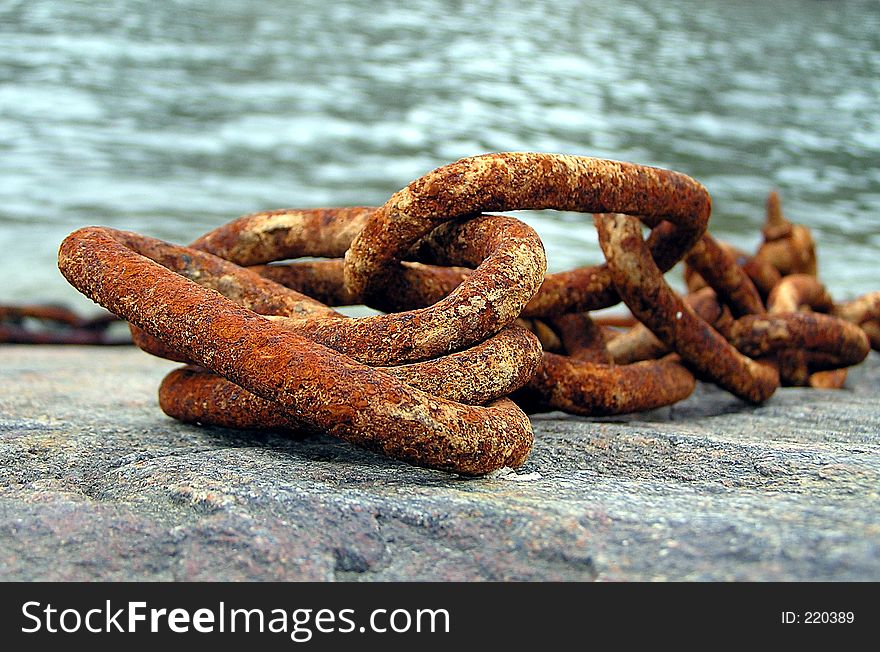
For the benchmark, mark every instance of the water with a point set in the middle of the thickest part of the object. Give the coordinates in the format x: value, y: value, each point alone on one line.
x: 172, y: 117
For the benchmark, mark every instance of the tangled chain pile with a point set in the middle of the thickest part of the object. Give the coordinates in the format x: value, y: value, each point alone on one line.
x: 473, y: 330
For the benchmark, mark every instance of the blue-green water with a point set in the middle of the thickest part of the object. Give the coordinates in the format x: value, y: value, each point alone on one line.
x: 171, y: 117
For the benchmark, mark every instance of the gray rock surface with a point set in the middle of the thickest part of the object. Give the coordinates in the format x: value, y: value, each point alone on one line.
x: 97, y: 483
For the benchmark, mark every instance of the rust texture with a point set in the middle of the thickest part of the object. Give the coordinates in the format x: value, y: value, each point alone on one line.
x: 509, y: 260
x: 758, y: 335
x: 195, y: 395
x: 784, y: 271
x: 717, y: 266
x: 416, y: 285
x: 595, y: 389
x: 48, y: 324
x: 443, y: 239
x: 797, y: 292
x: 509, y: 263
x: 788, y: 247
x: 511, y: 268
x: 764, y: 276
x: 675, y: 204
x: 581, y: 338
x: 636, y: 344
x: 287, y: 233
x: 310, y: 382
x: 804, y: 343
x: 864, y: 311
x: 643, y: 289
x: 583, y: 378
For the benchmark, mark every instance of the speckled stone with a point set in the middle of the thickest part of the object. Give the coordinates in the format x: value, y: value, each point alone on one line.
x: 96, y: 483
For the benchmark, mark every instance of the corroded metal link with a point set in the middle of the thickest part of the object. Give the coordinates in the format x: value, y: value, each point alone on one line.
x: 451, y: 243
x: 236, y: 283
x: 319, y: 279
x: 586, y: 381
x: 652, y: 301
x: 14, y: 334
x: 415, y: 286
x: 154, y: 346
x: 794, y: 293
x: 595, y: 389
x: 615, y: 321
x: 639, y: 343
x: 514, y: 181
x: 636, y: 344
x: 512, y: 265
x: 758, y: 335
x: 591, y: 288
x: 872, y: 330
x: 481, y: 373
x: 718, y: 268
x: 310, y: 382
x: 424, y: 383
x: 271, y: 236
x: 195, y: 395
x: 829, y: 379
x: 788, y: 247
x: 547, y: 336
x: 57, y: 314
x: 245, y: 288
x: 859, y: 310
x: 508, y: 256
x: 762, y: 274
x: 47, y: 324
x: 485, y: 371
x: 798, y: 291
x: 582, y: 338
x: 864, y: 311
x: 286, y: 233
x: 797, y: 366
x: 707, y: 306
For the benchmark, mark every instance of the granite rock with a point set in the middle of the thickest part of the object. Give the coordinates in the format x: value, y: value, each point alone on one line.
x: 96, y: 483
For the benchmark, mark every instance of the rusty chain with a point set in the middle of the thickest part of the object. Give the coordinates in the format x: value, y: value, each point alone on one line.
x: 50, y: 324
x: 468, y: 317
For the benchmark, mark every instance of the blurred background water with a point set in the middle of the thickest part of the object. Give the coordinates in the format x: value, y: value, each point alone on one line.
x: 170, y: 117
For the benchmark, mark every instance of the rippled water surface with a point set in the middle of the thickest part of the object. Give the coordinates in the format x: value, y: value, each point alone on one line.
x: 170, y: 118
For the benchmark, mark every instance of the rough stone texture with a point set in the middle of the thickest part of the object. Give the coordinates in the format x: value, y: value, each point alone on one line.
x: 96, y: 483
